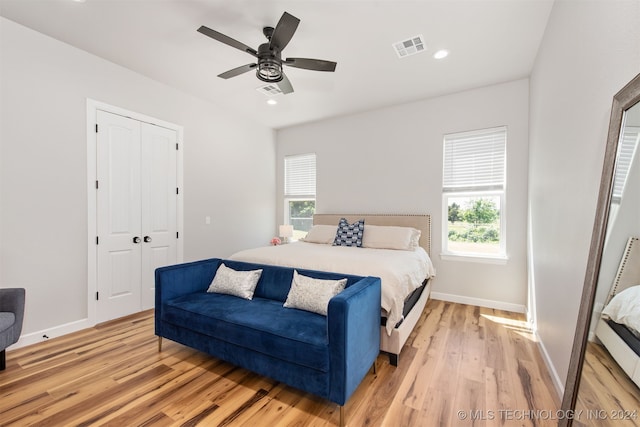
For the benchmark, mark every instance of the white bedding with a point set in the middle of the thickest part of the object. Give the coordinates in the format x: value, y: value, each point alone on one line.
x: 624, y: 308
x: 401, y: 272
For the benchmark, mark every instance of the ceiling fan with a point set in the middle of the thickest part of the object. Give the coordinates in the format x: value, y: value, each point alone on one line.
x: 269, y: 55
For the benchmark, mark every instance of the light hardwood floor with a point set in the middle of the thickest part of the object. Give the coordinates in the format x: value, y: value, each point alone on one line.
x: 607, y: 396
x: 463, y: 365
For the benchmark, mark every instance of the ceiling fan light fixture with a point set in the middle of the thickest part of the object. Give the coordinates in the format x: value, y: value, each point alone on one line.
x: 269, y: 70
x: 269, y: 55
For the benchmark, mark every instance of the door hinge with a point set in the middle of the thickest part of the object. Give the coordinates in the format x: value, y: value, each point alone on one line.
x: 177, y: 190
x: 177, y: 235
x: 96, y: 128
x: 97, y: 296
x: 97, y: 186
x: 97, y: 240
x: 176, y: 146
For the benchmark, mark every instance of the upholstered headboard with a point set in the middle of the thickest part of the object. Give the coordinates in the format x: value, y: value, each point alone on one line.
x: 421, y: 222
x: 629, y: 270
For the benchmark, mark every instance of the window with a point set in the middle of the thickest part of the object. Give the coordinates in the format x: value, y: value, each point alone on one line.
x: 473, y: 193
x: 299, y: 192
x: 626, y: 151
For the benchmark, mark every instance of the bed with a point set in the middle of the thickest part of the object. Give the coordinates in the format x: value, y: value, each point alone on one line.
x: 406, y: 274
x: 618, y: 328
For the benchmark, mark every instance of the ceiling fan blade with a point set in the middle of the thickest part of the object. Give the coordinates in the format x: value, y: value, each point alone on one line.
x: 284, y: 31
x: 237, y: 71
x: 311, y: 64
x: 227, y: 40
x: 285, y: 85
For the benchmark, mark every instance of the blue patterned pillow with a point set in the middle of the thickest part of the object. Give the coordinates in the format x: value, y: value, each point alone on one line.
x: 349, y: 234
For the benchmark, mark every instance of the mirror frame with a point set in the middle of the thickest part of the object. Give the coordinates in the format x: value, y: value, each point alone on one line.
x: 626, y: 98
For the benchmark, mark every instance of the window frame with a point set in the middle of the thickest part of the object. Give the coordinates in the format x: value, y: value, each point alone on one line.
x: 287, y: 200
x: 481, y: 191
x: 474, y: 256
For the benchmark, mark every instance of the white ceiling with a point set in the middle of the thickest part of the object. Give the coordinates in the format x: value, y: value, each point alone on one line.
x: 491, y: 41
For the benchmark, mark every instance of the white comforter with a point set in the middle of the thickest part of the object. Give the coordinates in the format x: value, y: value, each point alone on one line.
x: 401, y: 272
x: 624, y: 308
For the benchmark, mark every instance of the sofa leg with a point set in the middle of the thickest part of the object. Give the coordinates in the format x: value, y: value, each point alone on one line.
x: 375, y: 368
x: 3, y: 360
x: 159, y: 344
x: 342, y: 423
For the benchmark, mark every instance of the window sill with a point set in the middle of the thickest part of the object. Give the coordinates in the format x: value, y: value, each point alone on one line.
x: 484, y: 259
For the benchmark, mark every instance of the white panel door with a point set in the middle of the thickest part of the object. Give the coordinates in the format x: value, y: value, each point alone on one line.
x: 136, y: 212
x: 118, y: 216
x: 158, y: 197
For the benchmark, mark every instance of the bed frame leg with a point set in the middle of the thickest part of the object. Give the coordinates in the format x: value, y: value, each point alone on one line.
x: 159, y: 344
x: 375, y: 367
x: 342, y: 423
x: 393, y: 359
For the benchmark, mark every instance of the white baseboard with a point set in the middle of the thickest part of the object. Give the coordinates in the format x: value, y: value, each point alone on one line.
x: 498, y: 305
x: 46, y: 334
x: 557, y: 382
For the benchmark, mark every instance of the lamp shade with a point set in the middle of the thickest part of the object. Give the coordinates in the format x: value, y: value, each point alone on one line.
x: 286, y: 231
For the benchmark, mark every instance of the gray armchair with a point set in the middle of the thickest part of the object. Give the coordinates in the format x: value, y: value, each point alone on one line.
x: 11, y: 316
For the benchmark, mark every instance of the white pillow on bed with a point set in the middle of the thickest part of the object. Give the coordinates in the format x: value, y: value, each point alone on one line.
x: 321, y: 234
x: 390, y: 237
x: 232, y: 282
x: 624, y: 308
x: 311, y: 294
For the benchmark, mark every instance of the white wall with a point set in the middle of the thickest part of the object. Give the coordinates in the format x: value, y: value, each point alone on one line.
x: 590, y: 50
x: 390, y: 161
x: 229, y: 169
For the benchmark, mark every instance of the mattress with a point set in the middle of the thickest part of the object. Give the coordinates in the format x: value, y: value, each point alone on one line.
x: 627, y: 336
x: 401, y: 272
x: 411, y: 301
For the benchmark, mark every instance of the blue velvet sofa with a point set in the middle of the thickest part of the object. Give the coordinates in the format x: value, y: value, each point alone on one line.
x: 324, y: 355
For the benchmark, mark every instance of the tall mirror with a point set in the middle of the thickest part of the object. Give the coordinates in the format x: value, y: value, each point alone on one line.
x: 604, y: 372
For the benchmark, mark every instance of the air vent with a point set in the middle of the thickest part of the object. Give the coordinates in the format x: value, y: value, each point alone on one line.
x: 410, y: 46
x: 269, y: 90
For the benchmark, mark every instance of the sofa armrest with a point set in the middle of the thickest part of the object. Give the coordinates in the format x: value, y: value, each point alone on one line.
x: 182, y: 279
x: 13, y: 300
x: 353, y: 321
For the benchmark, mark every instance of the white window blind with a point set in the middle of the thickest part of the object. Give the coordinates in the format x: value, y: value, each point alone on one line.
x: 475, y: 161
x: 628, y: 143
x: 300, y: 175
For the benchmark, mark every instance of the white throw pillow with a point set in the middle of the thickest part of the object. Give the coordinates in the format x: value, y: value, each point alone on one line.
x: 321, y: 234
x: 311, y: 294
x: 390, y: 237
x: 624, y: 308
x: 232, y: 282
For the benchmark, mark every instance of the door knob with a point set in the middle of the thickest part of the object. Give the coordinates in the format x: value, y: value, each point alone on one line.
x: 136, y: 239
x: 147, y: 239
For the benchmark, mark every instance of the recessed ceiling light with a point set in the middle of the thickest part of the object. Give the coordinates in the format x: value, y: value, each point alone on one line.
x: 442, y: 53
x: 79, y: 1
x: 272, y: 102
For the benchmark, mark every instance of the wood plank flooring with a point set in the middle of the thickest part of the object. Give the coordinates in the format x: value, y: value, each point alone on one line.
x: 607, y: 396
x: 462, y: 366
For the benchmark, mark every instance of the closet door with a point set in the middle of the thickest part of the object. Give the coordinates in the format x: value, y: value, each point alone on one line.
x: 136, y: 212
x: 158, y: 197
x: 119, y: 220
